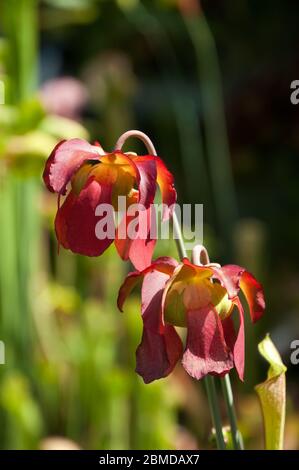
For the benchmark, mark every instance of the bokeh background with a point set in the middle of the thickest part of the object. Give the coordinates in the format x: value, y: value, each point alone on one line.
x: 210, y: 83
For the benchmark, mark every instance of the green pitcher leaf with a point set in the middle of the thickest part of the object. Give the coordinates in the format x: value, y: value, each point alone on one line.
x: 272, y: 395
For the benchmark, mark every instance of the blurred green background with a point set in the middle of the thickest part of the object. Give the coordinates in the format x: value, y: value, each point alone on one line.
x: 210, y: 83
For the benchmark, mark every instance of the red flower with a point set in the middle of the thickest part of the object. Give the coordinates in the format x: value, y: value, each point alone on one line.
x: 202, y: 299
x: 95, y: 178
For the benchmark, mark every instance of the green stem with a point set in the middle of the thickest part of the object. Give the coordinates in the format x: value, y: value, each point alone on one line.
x: 209, y: 382
x: 178, y: 237
x: 229, y: 401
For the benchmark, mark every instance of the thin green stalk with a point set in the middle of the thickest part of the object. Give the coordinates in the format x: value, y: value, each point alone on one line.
x: 229, y: 401
x: 178, y: 237
x: 215, y: 411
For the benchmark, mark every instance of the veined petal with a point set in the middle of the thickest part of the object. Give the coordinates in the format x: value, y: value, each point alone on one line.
x: 124, y: 186
x: 81, y: 176
x: 201, y: 272
x: 104, y: 174
x: 126, y: 288
x: 197, y: 294
x: 148, y: 179
x: 229, y: 277
x: 163, y: 264
x: 157, y: 354
x: 143, y: 169
x: 220, y: 300
x: 140, y: 238
x: 151, y: 297
x: 229, y: 332
x: 122, y: 240
x: 239, y: 347
x: 173, y: 308
x: 236, y: 341
x: 254, y: 295
x: 232, y: 278
x: 175, y: 299
x: 120, y: 170
x: 76, y: 221
x: 121, y: 160
x: 142, y: 247
x: 166, y: 183
x: 65, y: 160
x: 206, y: 351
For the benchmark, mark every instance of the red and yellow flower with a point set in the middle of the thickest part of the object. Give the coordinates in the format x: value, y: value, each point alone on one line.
x: 201, y: 299
x: 96, y: 177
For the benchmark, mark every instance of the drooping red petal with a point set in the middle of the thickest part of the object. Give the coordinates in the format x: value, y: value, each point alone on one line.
x: 151, y: 297
x: 76, y: 221
x: 166, y: 183
x: 160, y: 347
x: 174, y: 347
x: 229, y: 332
x: 140, y: 241
x: 239, y: 348
x: 122, y: 240
x: 126, y: 288
x: 157, y: 354
x: 65, y: 160
x: 254, y: 295
x: 236, y: 341
x: 142, y: 247
x: 163, y: 264
x: 148, y: 179
x: 206, y: 351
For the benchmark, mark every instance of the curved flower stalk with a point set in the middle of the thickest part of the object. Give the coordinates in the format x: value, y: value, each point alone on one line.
x: 96, y: 178
x: 201, y: 299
